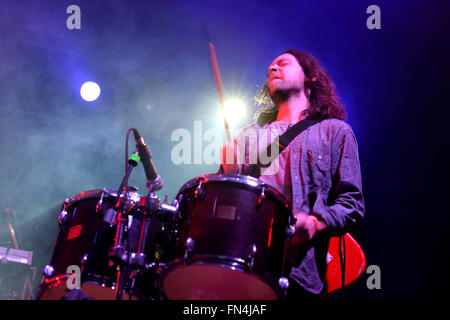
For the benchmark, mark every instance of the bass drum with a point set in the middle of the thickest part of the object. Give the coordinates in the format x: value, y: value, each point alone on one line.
x: 81, y: 222
x: 231, y: 233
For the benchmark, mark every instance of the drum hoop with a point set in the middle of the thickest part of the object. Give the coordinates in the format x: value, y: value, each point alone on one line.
x: 223, y: 261
x: 91, y: 278
x: 60, y: 280
x: 95, y: 193
x: 208, y: 259
x: 235, y: 178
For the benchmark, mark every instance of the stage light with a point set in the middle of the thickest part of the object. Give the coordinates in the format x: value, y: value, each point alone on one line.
x: 90, y: 91
x: 235, y: 111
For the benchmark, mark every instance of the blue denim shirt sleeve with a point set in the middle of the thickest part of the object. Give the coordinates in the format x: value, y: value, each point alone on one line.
x: 345, y: 201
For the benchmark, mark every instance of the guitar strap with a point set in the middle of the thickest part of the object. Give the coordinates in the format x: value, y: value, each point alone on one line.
x: 281, y: 142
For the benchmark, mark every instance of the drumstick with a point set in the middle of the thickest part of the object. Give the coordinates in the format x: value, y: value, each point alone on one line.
x: 219, y: 88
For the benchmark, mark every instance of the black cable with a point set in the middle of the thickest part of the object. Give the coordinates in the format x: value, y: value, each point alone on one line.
x: 126, y: 159
x: 127, y: 268
x: 342, y: 261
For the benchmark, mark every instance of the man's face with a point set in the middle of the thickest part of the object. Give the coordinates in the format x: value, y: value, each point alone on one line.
x: 285, y: 74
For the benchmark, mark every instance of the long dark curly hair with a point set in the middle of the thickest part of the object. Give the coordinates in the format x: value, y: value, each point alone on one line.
x: 324, y: 102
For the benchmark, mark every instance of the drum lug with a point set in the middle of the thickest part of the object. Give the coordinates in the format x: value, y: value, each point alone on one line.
x: 118, y: 253
x: 48, y: 271
x: 62, y: 217
x: 261, y: 197
x: 290, y: 229
x: 251, y: 255
x: 137, y: 259
x: 199, y: 191
x: 179, y: 198
x: 189, y: 245
x: 84, y: 259
x: 284, y: 284
x: 63, y: 214
x: 99, y: 206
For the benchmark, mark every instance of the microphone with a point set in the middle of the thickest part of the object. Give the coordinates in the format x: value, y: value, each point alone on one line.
x: 154, y: 181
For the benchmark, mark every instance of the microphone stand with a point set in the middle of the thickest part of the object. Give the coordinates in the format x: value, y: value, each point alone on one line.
x: 127, y: 263
x: 108, y: 220
x: 118, y: 253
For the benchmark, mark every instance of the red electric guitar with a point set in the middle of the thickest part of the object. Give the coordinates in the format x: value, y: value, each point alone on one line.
x: 354, y: 259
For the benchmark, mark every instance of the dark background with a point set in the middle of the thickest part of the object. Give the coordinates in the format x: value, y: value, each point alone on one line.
x: 152, y: 62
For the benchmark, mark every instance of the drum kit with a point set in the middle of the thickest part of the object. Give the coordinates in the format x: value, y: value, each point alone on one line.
x: 223, y: 237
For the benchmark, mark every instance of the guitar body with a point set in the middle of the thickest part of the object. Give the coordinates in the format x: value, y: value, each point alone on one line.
x: 355, y: 262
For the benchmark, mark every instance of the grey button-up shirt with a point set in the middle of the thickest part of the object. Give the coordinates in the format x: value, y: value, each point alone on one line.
x: 319, y: 172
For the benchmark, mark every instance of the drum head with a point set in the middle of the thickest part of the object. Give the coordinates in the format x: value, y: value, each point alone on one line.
x: 209, y: 282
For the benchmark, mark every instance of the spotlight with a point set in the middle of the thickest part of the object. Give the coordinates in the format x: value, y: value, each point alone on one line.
x: 90, y: 91
x: 235, y: 111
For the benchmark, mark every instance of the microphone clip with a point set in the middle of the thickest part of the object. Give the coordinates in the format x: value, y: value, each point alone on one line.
x: 155, y: 185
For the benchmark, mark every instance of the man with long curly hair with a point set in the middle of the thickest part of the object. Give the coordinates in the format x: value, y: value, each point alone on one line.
x: 319, y: 171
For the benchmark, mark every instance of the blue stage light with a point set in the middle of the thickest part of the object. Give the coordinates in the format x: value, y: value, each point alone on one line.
x: 90, y: 91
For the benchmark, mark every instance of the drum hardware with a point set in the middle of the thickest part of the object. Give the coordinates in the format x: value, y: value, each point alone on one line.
x: 99, y: 206
x: 62, y: 216
x: 155, y: 185
x: 159, y: 267
x: 189, y: 245
x: 48, y: 271
x: 117, y: 252
x: 251, y: 255
x: 83, y: 261
x: 169, y: 210
x: 128, y: 264
x: 137, y: 259
x: 109, y: 216
x: 284, y: 284
x: 119, y: 216
x: 261, y: 197
x: 148, y: 206
x: 199, y: 191
x: 290, y: 228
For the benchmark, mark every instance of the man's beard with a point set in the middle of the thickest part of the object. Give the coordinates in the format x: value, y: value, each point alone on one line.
x: 282, y: 95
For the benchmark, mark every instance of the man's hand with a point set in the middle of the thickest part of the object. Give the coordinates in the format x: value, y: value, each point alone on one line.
x: 305, y: 227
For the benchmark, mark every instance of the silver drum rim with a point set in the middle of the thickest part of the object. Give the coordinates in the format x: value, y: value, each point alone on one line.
x: 97, y: 193
x: 248, y: 181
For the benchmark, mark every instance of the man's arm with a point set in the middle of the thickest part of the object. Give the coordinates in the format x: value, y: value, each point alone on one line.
x: 345, y: 205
